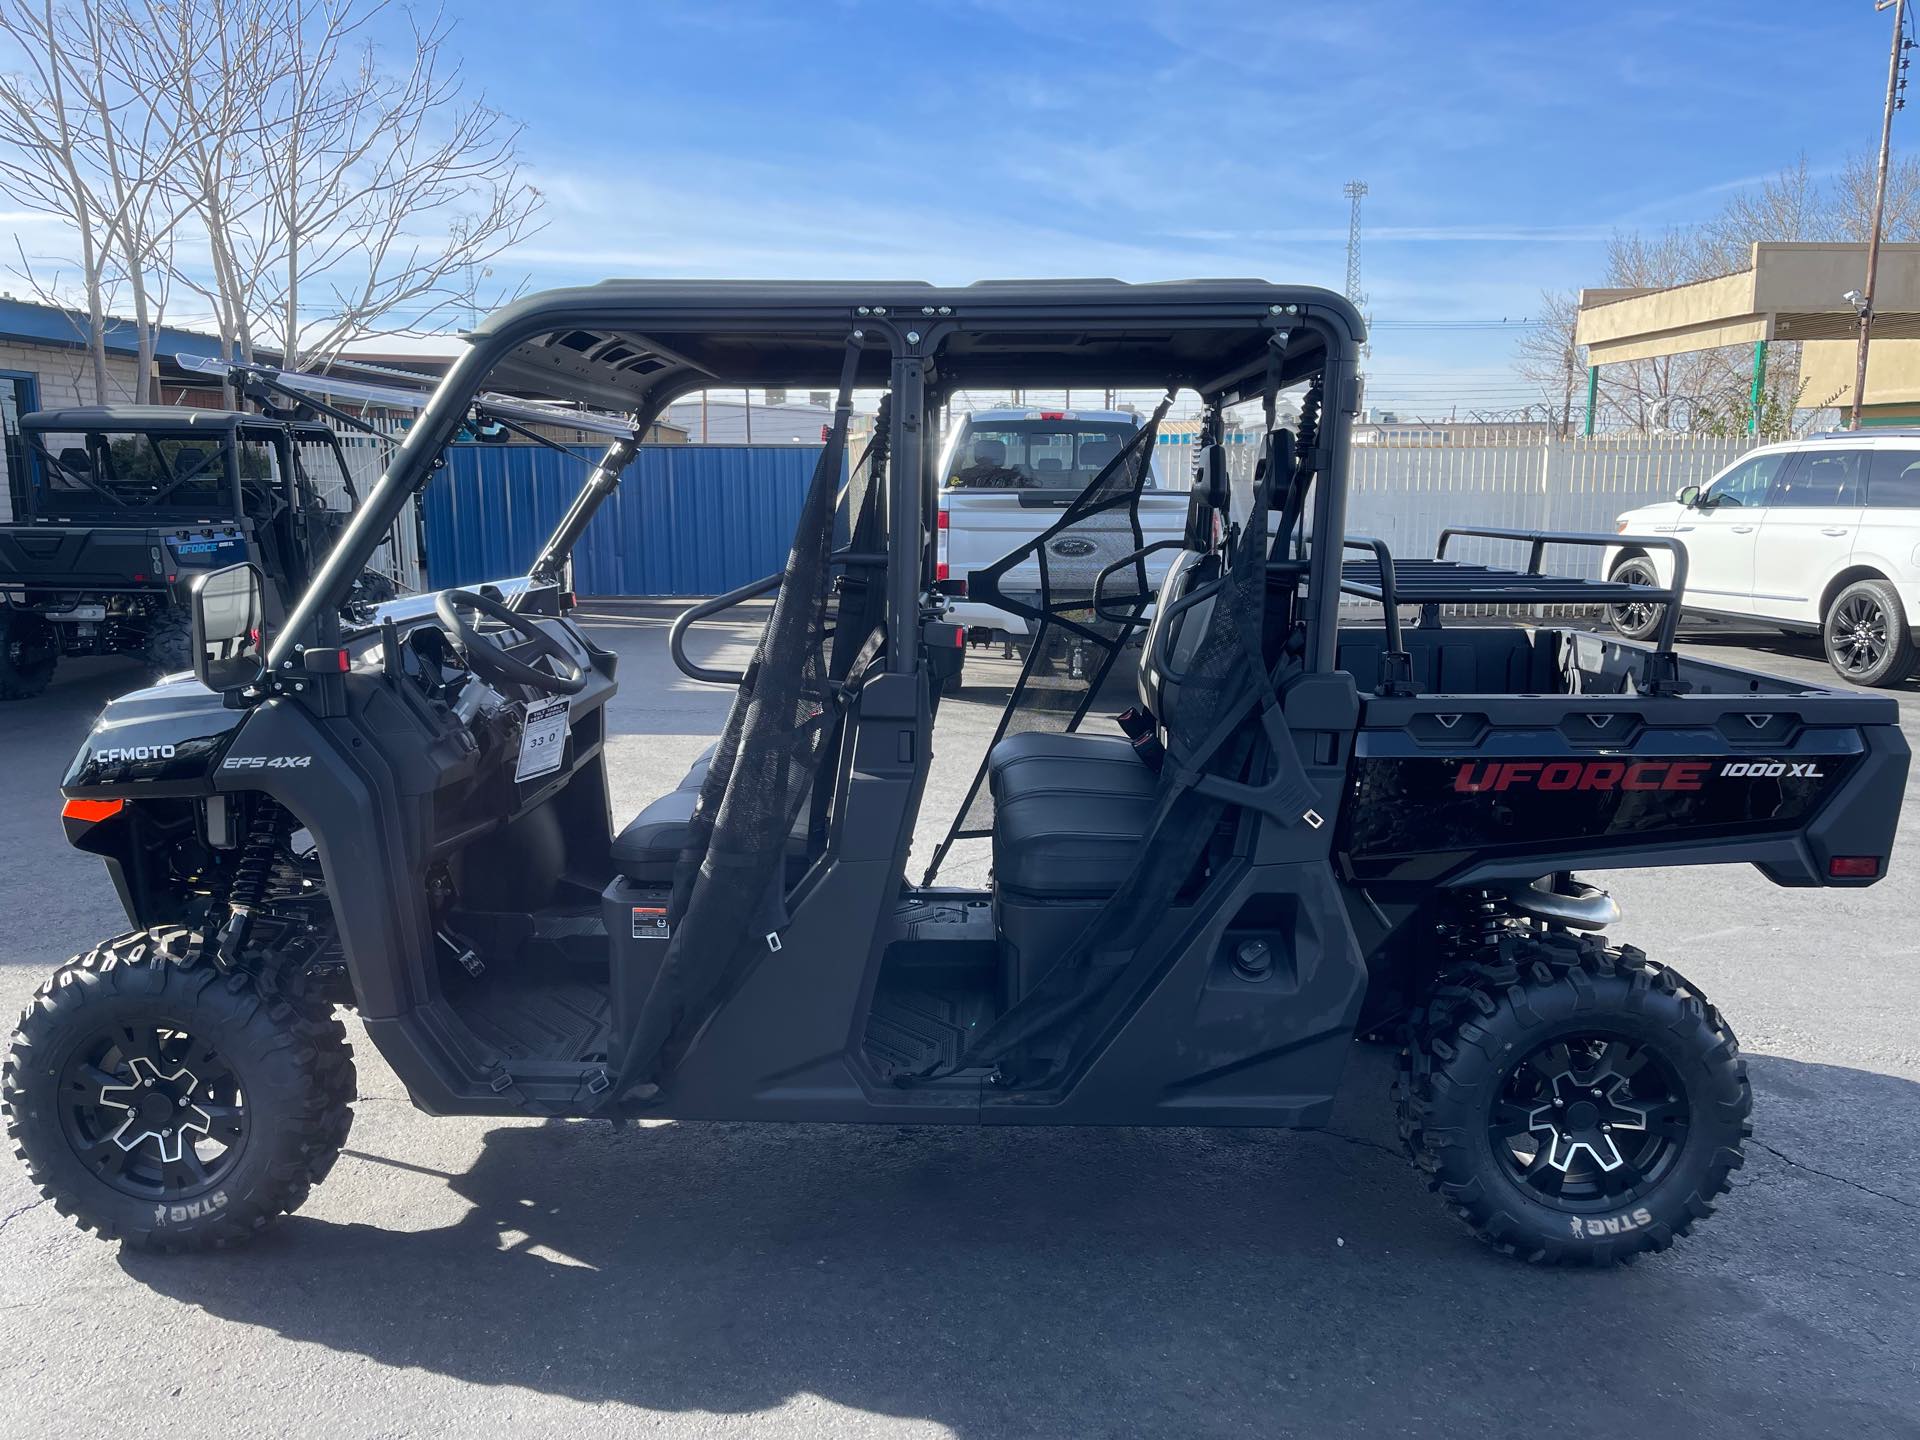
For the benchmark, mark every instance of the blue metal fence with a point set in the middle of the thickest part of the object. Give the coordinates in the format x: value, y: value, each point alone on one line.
x: 686, y: 520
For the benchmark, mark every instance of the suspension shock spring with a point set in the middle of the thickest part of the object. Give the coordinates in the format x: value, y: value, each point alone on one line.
x: 1486, y: 918
x: 251, y: 874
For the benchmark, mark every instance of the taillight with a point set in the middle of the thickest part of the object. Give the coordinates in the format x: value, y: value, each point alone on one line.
x: 1854, y: 867
x: 940, y: 570
x: 943, y: 521
x: 91, y: 810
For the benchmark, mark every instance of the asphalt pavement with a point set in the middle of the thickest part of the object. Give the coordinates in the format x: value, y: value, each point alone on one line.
x: 479, y: 1277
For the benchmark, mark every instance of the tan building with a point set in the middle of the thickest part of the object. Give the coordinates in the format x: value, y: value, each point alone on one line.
x: 1791, y: 291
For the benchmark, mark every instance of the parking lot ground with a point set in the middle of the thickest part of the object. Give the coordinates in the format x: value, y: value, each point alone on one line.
x: 479, y: 1277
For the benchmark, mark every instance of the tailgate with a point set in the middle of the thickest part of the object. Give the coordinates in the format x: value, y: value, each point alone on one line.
x: 80, y: 557
x: 105, y: 557
x: 984, y: 525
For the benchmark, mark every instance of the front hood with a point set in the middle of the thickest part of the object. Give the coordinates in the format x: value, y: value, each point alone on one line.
x: 1645, y: 517
x: 167, y: 739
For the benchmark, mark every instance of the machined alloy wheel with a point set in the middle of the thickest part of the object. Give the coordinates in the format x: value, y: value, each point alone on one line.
x: 1589, y: 1121
x: 152, y: 1111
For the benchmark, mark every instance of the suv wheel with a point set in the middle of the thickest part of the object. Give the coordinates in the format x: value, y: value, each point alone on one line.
x: 1868, y: 639
x: 28, y: 653
x: 158, y: 1101
x: 1639, y: 620
x: 1574, y: 1104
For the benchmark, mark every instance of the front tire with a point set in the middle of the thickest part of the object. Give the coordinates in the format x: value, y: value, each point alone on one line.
x: 1639, y: 620
x: 1574, y: 1104
x: 160, y: 1102
x: 1867, y: 636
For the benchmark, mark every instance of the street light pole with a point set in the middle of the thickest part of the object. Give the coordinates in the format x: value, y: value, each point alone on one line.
x: 1879, y: 205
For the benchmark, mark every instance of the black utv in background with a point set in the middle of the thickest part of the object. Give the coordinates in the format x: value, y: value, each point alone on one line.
x: 123, y: 506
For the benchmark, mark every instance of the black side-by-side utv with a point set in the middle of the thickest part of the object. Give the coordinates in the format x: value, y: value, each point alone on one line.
x: 123, y: 507
x: 1304, y: 827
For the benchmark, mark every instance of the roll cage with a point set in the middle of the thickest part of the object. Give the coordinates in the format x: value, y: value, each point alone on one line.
x: 636, y: 346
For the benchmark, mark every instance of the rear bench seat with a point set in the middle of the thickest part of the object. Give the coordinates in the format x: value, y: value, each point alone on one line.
x: 1070, y: 810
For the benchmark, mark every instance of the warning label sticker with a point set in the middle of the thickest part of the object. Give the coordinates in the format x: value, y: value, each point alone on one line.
x: 650, y: 923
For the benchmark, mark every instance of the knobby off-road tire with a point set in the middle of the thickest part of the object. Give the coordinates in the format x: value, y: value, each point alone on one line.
x: 28, y: 653
x: 261, y: 1090
x: 1554, y: 1020
x: 169, y: 647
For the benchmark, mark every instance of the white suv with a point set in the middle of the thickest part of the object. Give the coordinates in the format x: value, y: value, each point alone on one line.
x: 1821, y: 534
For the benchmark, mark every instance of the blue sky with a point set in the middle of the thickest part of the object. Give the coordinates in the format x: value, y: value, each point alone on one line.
x: 952, y: 140
x: 1148, y: 139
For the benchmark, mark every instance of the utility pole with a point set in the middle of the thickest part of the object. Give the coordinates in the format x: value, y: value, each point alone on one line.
x: 1896, y: 83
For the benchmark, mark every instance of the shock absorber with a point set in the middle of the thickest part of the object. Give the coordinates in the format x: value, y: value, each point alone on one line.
x: 1485, y: 919
x: 251, y: 874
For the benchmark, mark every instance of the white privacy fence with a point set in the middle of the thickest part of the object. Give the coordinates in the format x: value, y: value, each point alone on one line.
x: 1406, y: 491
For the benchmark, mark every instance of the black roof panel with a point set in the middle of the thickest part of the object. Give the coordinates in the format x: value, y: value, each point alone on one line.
x: 621, y: 340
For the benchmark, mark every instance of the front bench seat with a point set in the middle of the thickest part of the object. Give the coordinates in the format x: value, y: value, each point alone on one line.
x: 649, y: 846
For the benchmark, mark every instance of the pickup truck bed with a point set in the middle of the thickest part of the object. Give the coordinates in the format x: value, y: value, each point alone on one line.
x: 981, y: 526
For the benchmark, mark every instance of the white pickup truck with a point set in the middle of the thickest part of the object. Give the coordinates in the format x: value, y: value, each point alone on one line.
x: 1005, y: 476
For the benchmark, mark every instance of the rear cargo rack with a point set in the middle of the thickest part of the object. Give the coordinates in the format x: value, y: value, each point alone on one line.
x: 1440, y: 581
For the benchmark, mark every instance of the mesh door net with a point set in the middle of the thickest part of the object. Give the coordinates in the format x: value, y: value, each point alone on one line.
x: 1211, y: 731
x: 729, y: 886
x: 1073, y: 644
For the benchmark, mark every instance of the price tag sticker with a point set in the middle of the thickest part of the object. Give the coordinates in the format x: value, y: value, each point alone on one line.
x: 543, y: 739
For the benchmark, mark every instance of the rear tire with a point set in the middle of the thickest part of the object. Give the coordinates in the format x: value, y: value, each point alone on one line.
x: 1636, y: 621
x: 250, y: 1095
x: 1573, y: 1104
x: 169, y: 647
x: 1867, y: 635
x: 28, y: 652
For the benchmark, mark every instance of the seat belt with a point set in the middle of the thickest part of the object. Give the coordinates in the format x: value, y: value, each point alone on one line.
x: 1143, y: 733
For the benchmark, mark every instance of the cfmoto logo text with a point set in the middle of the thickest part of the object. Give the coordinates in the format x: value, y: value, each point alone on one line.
x: 123, y: 753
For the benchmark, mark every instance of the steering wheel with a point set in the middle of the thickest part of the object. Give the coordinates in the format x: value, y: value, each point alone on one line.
x: 492, y: 661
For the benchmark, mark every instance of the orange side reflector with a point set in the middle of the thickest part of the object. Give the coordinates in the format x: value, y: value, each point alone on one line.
x: 91, y: 810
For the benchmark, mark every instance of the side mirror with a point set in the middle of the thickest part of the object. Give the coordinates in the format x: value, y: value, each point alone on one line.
x: 230, y: 627
x: 1689, y: 496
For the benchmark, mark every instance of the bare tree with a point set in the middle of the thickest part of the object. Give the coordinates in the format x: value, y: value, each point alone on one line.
x: 347, y: 197
x: 70, y: 150
x: 264, y: 157
x: 1552, y: 359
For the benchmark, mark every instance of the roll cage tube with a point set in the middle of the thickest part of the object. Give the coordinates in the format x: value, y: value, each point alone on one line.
x: 716, y: 327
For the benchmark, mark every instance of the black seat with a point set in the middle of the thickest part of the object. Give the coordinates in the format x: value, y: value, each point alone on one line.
x: 650, y: 845
x: 1070, y: 810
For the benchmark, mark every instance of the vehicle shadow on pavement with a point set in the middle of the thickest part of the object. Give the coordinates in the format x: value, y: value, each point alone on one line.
x: 1077, y: 1282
